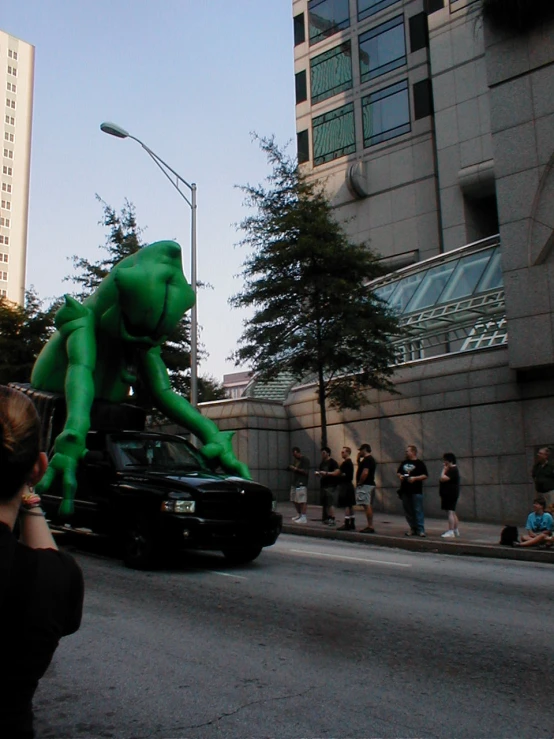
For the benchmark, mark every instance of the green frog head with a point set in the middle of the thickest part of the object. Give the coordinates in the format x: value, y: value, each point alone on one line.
x: 145, y: 296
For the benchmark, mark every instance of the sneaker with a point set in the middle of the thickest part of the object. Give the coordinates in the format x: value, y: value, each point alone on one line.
x: 410, y: 533
x: 456, y: 533
x: 295, y: 518
x: 367, y: 530
x: 448, y: 534
x: 422, y: 534
x: 331, y: 522
x: 344, y: 527
x: 301, y: 519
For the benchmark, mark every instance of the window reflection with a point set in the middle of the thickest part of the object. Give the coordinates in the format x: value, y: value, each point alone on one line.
x: 331, y: 73
x: 493, y: 274
x: 386, y: 114
x: 327, y: 17
x: 370, y: 7
x: 382, y: 49
x: 333, y: 134
x: 403, y: 294
x: 466, y: 276
x: 431, y: 287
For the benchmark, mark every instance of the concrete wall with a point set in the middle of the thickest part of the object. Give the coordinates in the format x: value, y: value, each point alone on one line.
x: 471, y: 404
x: 520, y: 73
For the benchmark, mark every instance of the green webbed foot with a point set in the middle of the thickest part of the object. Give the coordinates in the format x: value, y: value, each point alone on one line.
x: 68, y: 450
x: 219, y: 447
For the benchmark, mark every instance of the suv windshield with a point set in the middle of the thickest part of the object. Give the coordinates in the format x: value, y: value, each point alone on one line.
x: 156, y: 455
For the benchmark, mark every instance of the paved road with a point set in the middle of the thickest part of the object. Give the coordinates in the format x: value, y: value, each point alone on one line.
x: 315, y: 639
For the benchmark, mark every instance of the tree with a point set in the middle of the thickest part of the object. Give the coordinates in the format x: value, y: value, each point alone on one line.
x: 23, y: 332
x: 123, y: 239
x: 314, y: 316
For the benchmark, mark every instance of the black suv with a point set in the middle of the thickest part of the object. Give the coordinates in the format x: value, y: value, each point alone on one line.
x: 154, y: 494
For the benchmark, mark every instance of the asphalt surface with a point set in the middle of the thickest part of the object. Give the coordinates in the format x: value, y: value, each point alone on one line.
x: 316, y: 638
x: 476, y: 539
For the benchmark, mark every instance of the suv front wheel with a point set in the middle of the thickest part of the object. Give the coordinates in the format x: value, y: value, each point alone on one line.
x: 139, y: 551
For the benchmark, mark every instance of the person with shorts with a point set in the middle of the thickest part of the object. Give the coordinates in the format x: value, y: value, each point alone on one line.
x: 328, y: 474
x: 299, y: 484
x: 347, y: 496
x: 449, y: 491
x: 365, y: 485
x: 539, y: 526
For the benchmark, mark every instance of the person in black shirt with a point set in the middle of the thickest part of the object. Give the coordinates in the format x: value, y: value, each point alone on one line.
x: 449, y: 491
x: 411, y: 473
x: 365, y: 485
x: 347, y: 499
x: 41, y: 589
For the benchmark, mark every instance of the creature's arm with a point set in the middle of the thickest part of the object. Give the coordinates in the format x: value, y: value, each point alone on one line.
x: 217, y: 444
x: 76, y: 324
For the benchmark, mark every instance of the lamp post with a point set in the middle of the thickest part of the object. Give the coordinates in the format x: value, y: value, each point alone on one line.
x: 120, y: 133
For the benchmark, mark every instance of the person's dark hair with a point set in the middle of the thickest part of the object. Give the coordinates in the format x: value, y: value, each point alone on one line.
x: 326, y: 449
x: 365, y: 448
x: 19, y: 440
x: 296, y: 449
x: 449, y: 457
x: 540, y: 500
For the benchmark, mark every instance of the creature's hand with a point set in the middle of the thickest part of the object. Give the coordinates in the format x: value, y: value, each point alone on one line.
x: 219, y: 447
x: 68, y: 450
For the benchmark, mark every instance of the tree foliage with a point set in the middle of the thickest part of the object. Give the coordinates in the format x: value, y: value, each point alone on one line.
x: 23, y: 332
x: 314, y: 315
x: 124, y: 237
x: 518, y: 16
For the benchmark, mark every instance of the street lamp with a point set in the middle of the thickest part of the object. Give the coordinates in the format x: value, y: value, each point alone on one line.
x: 114, y: 130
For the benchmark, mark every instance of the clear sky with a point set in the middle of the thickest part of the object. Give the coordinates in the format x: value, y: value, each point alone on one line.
x: 190, y: 78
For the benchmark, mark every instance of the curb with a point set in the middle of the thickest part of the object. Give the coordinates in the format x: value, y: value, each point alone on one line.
x: 425, y: 545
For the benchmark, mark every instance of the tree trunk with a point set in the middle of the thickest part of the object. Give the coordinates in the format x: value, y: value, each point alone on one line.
x: 322, y: 408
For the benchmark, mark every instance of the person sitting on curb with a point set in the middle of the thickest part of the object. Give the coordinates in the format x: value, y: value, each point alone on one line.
x: 540, y: 526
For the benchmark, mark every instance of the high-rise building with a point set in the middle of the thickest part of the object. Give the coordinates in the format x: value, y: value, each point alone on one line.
x: 16, y: 80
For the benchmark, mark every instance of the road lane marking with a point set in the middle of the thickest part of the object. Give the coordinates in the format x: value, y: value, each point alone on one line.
x: 229, y: 574
x: 344, y: 556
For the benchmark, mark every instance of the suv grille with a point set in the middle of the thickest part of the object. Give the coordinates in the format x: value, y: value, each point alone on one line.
x: 224, y: 505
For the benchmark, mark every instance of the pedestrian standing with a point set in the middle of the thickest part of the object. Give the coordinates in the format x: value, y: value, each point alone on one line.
x: 365, y: 485
x: 412, y: 472
x: 300, y: 469
x: 347, y: 497
x: 543, y: 476
x: 328, y: 474
x: 449, y: 491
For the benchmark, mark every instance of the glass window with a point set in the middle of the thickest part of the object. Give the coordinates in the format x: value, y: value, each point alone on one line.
x: 327, y: 17
x: 299, y: 32
x: 370, y: 7
x: 301, y: 89
x: 302, y: 147
x: 334, y: 134
x: 466, y: 276
x: 492, y: 277
x: 331, y: 73
x: 382, y: 49
x: 431, y: 287
x: 386, y: 114
x: 404, y: 291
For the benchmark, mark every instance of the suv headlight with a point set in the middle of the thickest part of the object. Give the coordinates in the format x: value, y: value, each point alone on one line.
x: 178, y: 506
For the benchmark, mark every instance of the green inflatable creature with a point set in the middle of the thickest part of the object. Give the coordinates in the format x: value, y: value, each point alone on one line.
x: 102, y: 346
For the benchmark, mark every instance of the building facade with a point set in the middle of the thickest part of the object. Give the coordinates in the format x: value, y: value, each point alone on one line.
x: 16, y: 80
x: 432, y: 130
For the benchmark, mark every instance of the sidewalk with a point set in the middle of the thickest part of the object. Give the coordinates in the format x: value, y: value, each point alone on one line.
x: 476, y: 539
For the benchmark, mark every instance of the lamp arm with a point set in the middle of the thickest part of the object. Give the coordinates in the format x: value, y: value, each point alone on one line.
x: 163, y: 166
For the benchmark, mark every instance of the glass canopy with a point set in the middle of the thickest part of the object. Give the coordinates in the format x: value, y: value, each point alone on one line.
x: 449, y: 303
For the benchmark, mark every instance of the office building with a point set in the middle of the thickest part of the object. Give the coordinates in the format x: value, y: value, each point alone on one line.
x: 16, y: 80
